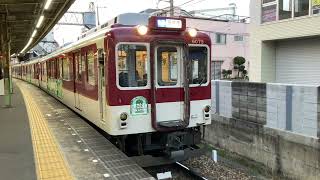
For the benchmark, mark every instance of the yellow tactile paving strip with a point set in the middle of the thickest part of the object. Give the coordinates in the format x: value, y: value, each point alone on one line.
x: 50, y: 163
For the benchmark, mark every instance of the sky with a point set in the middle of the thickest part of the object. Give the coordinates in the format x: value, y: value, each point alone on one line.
x: 111, y: 8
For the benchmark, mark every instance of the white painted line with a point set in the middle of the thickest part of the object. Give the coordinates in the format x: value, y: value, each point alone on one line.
x: 165, y: 175
x: 106, y: 175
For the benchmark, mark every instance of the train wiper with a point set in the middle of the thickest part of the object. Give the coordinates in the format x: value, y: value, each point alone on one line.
x: 202, y: 81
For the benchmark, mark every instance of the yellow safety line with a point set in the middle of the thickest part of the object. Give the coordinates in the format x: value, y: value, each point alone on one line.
x: 50, y: 163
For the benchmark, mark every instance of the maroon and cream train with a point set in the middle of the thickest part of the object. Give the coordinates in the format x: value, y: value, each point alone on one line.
x: 148, y: 86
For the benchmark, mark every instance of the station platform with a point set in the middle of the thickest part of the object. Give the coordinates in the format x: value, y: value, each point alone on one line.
x: 43, y: 139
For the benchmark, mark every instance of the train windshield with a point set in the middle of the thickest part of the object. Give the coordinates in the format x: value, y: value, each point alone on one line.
x: 167, y: 66
x: 199, y: 64
x: 132, y: 65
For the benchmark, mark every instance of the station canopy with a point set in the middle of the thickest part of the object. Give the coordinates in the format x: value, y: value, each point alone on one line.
x: 22, y: 16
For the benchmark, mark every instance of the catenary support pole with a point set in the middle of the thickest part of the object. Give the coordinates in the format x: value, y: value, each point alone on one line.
x: 7, y: 78
x: 171, y: 8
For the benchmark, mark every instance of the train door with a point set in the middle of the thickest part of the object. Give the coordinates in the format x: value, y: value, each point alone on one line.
x: 101, y: 83
x: 78, y: 79
x: 169, y: 92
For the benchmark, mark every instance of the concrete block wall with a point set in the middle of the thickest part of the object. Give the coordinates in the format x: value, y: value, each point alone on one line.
x: 249, y: 102
x: 305, y: 110
x: 286, y: 107
x: 221, y: 98
x: 276, y: 106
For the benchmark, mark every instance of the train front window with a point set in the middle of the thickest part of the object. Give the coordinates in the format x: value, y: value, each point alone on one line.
x: 199, y: 65
x: 132, y: 65
x: 167, y: 63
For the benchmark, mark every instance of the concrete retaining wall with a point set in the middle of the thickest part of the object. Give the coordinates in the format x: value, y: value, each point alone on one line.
x: 274, y: 124
x: 286, y: 154
x: 285, y: 107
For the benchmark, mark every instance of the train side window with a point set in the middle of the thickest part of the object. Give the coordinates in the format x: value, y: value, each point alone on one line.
x: 167, y: 64
x: 199, y: 65
x: 66, y: 69
x: 1, y: 72
x: 82, y: 66
x: 91, y: 73
x: 132, y: 65
x: 60, y: 68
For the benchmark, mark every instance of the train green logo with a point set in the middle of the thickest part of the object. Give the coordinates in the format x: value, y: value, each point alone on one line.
x: 139, y: 106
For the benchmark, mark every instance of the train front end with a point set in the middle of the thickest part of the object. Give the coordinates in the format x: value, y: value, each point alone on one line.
x: 159, y: 91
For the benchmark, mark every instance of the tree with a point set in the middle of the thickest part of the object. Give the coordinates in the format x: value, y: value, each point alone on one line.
x: 238, y: 63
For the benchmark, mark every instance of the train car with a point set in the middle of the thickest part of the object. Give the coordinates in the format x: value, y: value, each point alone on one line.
x: 145, y: 81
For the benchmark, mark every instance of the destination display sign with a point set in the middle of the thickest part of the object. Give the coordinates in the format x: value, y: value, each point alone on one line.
x: 169, y: 23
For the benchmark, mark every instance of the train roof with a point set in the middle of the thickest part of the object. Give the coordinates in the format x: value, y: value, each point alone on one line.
x: 122, y: 22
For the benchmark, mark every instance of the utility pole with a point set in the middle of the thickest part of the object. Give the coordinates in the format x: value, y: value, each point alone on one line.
x: 171, y: 6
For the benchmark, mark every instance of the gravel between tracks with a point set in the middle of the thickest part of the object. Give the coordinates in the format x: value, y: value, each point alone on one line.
x: 211, y: 170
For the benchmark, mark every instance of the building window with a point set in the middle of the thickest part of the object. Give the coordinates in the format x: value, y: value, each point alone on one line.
x: 269, y: 11
x: 315, y: 7
x: 66, y: 69
x: 216, y: 67
x: 285, y: 9
x: 301, y: 8
x: 91, y: 68
x: 238, y: 38
x: 132, y: 62
x: 221, y: 38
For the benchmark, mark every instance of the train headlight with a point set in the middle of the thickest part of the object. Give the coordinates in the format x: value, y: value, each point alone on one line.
x: 123, y: 116
x: 192, y: 32
x: 142, y: 30
x: 207, y: 109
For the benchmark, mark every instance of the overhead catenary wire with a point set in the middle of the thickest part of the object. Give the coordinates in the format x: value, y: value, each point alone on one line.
x: 165, y: 9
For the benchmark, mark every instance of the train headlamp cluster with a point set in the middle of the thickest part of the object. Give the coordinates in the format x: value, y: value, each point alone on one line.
x: 192, y: 32
x: 123, y: 120
x: 207, y: 109
x: 207, y: 113
x: 142, y: 30
x: 123, y: 116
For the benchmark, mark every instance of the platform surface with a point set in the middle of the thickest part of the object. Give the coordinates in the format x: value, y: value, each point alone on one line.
x: 16, y: 153
x: 77, y: 148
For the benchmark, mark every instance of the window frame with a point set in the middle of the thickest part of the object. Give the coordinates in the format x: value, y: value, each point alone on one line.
x: 238, y: 36
x: 208, y: 64
x: 94, y: 67
x: 67, y: 59
x: 225, y: 42
x: 180, y: 73
x: 148, y: 86
x: 277, y: 2
x: 214, y: 62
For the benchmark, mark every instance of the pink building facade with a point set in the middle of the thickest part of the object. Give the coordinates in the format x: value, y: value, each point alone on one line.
x: 229, y: 39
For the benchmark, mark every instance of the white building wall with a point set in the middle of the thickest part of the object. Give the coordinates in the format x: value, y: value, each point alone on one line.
x: 263, y: 38
x: 225, y: 52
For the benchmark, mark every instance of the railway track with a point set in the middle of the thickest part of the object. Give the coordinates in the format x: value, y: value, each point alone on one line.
x: 191, y: 172
x: 176, y: 171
